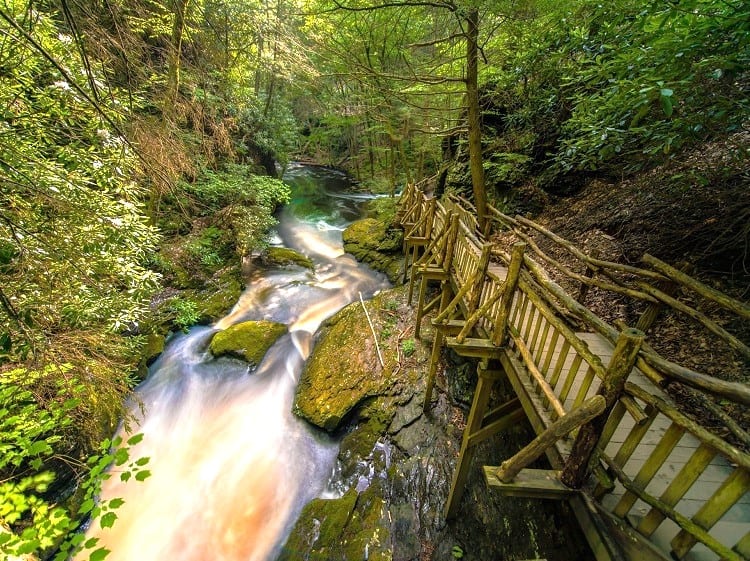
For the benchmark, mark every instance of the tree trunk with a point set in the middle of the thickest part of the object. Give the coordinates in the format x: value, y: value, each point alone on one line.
x: 475, y: 130
x: 175, y: 54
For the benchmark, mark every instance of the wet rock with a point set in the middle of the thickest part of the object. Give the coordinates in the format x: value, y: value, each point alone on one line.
x: 375, y: 243
x: 342, y: 372
x: 283, y: 256
x: 153, y: 347
x: 248, y: 340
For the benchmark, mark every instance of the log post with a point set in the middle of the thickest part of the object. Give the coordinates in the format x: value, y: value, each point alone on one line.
x: 562, y: 426
x: 576, y: 468
x: 588, y: 273
x: 670, y: 288
x: 500, y: 334
x: 475, y: 296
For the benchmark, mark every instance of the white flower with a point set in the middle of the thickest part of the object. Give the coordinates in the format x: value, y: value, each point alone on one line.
x: 62, y: 84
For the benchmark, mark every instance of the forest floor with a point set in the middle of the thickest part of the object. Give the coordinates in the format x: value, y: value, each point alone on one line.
x: 694, y: 210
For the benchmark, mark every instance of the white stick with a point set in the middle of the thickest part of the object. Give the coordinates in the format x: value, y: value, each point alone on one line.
x: 375, y: 337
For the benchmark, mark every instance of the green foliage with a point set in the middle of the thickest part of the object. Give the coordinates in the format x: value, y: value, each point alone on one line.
x: 622, y: 85
x: 73, y: 238
x: 208, y: 247
x: 35, y: 410
x: 408, y: 347
x: 247, y: 200
x: 261, y: 132
x: 185, y: 312
x: 457, y: 552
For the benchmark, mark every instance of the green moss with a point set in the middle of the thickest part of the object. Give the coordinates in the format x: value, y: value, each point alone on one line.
x: 373, y: 242
x: 249, y: 340
x: 318, y: 532
x: 220, y: 294
x: 352, y: 527
x: 284, y: 256
x: 335, y: 382
x: 153, y: 347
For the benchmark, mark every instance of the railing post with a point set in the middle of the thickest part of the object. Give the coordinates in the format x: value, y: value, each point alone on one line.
x: 475, y: 296
x: 623, y: 359
x: 588, y: 273
x: 500, y: 334
x: 668, y: 287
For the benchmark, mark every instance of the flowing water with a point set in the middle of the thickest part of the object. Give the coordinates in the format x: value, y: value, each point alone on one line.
x: 231, y: 465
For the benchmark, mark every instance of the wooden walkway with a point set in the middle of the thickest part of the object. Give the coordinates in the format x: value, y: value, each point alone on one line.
x: 644, y: 481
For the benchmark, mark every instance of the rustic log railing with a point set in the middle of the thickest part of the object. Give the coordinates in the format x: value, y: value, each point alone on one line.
x: 644, y: 479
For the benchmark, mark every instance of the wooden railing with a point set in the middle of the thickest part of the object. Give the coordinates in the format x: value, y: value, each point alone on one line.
x: 637, y: 462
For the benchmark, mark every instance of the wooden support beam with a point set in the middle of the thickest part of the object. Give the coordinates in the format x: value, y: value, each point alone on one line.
x: 491, y: 429
x: 576, y: 468
x: 473, y: 424
x: 474, y: 347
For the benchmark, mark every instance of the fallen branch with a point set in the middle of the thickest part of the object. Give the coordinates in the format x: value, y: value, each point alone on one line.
x: 374, y: 336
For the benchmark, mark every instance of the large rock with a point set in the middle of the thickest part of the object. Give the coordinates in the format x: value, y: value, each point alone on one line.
x: 375, y: 243
x: 283, y: 256
x: 249, y: 340
x: 343, y: 370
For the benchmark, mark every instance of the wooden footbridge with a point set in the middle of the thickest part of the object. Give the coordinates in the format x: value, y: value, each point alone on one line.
x: 644, y: 479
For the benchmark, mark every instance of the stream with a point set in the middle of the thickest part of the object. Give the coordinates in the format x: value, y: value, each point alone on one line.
x: 231, y: 465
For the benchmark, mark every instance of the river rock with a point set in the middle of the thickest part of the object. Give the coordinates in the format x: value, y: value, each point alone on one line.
x: 283, y: 256
x: 343, y: 370
x: 248, y: 340
x: 375, y: 243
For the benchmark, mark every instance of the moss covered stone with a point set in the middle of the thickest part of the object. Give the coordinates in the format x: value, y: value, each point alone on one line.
x: 284, y: 256
x: 249, y: 340
x: 354, y: 526
x: 220, y: 294
x: 340, y: 373
x: 375, y: 243
x: 153, y: 347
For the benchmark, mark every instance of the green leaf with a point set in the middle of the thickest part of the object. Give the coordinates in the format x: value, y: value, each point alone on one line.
x: 666, y: 92
x: 108, y: 520
x: 135, y: 439
x: 99, y: 554
x: 91, y: 542
x: 125, y: 476
x: 116, y: 503
x: 142, y: 461
x: 86, y: 506
x: 39, y: 447
x: 666, y: 105
x: 143, y: 474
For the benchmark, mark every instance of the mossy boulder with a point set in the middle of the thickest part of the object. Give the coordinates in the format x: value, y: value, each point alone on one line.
x: 351, y: 527
x: 374, y: 242
x: 249, y: 340
x: 340, y: 374
x: 153, y: 347
x: 284, y: 256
